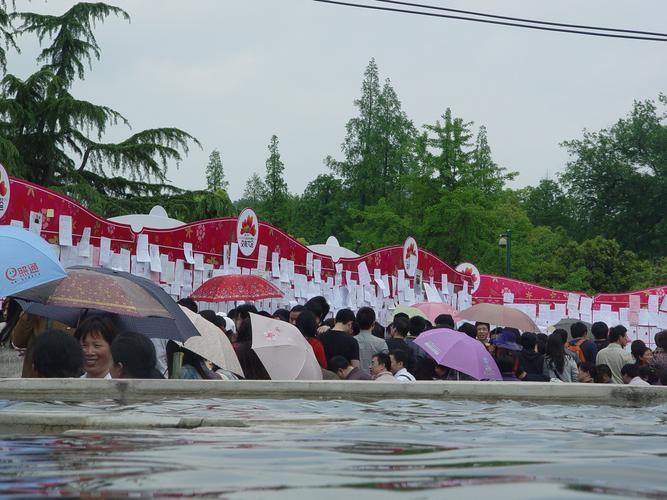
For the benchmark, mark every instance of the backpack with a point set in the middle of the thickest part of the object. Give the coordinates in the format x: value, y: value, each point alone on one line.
x: 576, y: 348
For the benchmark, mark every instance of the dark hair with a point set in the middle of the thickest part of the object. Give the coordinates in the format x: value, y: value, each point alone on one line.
x: 600, y: 330
x: 13, y: 313
x: 137, y: 355
x: 232, y: 313
x: 589, y: 368
x: 616, y: 332
x: 648, y: 373
x: 556, y: 352
x: 528, y: 341
x: 266, y: 314
x: 189, y: 303
x: 637, y: 349
x: 578, y: 330
x: 661, y: 339
x: 319, y: 307
x: 400, y: 356
x: 663, y: 377
x: 338, y: 363
x: 469, y: 329
x: 244, y: 333
x: 96, y: 324
x: 243, y: 311
x: 383, y: 359
x: 307, y: 324
x: 562, y: 334
x: 515, y: 332
x: 488, y: 326
x: 505, y: 363
x: 631, y: 370
x: 365, y: 318
x: 212, y: 317
x: 444, y: 320
x: 57, y: 355
x: 402, y: 326
x: 402, y: 315
x: 378, y: 330
x: 417, y: 325
x: 355, y: 328
x: 542, y: 343
x: 601, y: 371
x: 330, y: 322
x: 281, y: 314
x: 344, y: 316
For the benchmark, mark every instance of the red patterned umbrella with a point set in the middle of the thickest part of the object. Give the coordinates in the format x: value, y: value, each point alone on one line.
x: 236, y: 287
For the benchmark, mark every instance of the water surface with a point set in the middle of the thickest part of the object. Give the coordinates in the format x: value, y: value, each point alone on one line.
x: 338, y: 449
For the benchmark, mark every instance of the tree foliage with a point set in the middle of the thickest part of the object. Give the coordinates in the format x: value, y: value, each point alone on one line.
x: 215, y: 172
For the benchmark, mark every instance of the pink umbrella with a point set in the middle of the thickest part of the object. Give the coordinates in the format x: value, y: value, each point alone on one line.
x: 435, y: 309
x: 499, y: 315
x: 458, y: 351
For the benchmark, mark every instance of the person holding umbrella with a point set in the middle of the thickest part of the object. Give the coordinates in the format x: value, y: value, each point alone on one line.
x: 96, y: 334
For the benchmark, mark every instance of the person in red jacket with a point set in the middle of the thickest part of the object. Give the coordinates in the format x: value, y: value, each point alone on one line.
x: 307, y: 324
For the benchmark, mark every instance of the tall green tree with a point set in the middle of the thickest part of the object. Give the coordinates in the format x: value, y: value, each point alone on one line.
x: 276, y: 187
x: 254, y: 193
x: 215, y: 172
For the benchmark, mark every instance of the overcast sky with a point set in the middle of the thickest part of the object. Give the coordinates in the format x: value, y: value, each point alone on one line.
x: 234, y: 72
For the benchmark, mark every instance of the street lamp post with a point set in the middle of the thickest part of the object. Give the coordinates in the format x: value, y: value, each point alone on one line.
x: 506, y: 241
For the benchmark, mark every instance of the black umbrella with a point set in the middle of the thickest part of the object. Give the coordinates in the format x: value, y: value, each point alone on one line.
x: 176, y: 327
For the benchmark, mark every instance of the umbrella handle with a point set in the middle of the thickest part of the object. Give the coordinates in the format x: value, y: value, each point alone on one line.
x: 176, y: 365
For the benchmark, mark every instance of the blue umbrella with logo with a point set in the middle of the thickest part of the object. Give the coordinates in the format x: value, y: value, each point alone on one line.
x: 26, y: 261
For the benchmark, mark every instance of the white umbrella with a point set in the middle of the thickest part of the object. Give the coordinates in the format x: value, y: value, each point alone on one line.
x: 283, y: 351
x: 211, y: 343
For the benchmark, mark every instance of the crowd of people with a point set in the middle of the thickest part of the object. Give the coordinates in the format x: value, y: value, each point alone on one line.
x: 348, y: 346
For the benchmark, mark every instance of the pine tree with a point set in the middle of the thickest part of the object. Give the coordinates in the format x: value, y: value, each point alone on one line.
x: 255, y: 191
x: 215, y: 173
x: 276, y: 187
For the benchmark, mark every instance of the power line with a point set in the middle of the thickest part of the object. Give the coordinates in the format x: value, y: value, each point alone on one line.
x: 487, y: 21
x: 533, y: 21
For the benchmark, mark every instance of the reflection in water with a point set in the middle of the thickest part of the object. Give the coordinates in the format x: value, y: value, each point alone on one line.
x: 343, y: 448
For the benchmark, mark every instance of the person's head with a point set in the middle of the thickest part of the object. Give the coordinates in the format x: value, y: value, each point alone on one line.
x: 294, y: 313
x: 212, y: 317
x: 618, y: 335
x: 556, y: 351
x: 638, y: 349
x: 562, y: 334
x: 380, y: 362
x: 96, y: 334
x: 578, y: 330
x: 469, y: 329
x: 417, y: 325
x: 542, y: 343
x: 628, y: 372
x: 661, y: 340
x: 242, y: 313
x: 340, y: 366
x: 528, y: 341
x: 402, y: 315
x: 57, y: 355
x: 400, y: 327
x: 133, y: 357
x: 600, y: 330
x: 244, y: 331
x: 587, y: 372
x: 319, y: 307
x: 483, y: 331
x: 602, y: 374
x: 648, y: 374
x: 344, y: 320
x: 189, y: 303
x: 398, y: 360
x: 281, y: 314
x: 365, y: 318
x: 505, y: 363
x: 307, y: 324
x: 444, y: 321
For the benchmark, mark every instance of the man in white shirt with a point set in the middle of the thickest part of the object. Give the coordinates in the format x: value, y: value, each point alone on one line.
x: 398, y: 361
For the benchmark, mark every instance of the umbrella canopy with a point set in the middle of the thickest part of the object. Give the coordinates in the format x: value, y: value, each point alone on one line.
x: 283, y: 351
x: 211, y: 343
x: 435, y: 309
x: 26, y: 261
x: 458, y: 351
x: 236, y: 287
x: 566, y: 323
x: 499, y: 315
x: 410, y: 311
x: 168, y: 322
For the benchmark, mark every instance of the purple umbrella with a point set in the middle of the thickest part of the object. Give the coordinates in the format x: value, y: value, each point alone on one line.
x: 458, y: 351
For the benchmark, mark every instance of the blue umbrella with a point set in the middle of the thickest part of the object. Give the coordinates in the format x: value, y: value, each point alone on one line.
x: 26, y: 261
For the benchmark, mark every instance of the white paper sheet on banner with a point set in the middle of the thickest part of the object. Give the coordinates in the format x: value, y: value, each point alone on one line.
x: 317, y: 271
x: 168, y: 270
x: 261, y: 257
x: 187, y: 252
x: 284, y: 271
x: 233, y: 255
x: 309, y: 264
x: 653, y: 303
x: 387, y: 286
x: 465, y: 290
x: 432, y: 294
x: 125, y: 259
x: 275, y: 264
x: 16, y: 223
x: 179, y: 271
x: 115, y: 261
x: 105, y: 252
x: 199, y: 261
x: 155, y: 260
x: 623, y: 316
x: 585, y: 309
x: 663, y: 304
x: 64, y: 231
x: 83, y: 247
x: 508, y: 298
x: 187, y: 279
x: 401, y: 280
x: 573, y: 304
x: 409, y: 294
x: 142, y: 248
x: 633, y: 310
x: 198, y: 279
x: 35, y: 223
x: 443, y: 285
x: 364, y: 275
